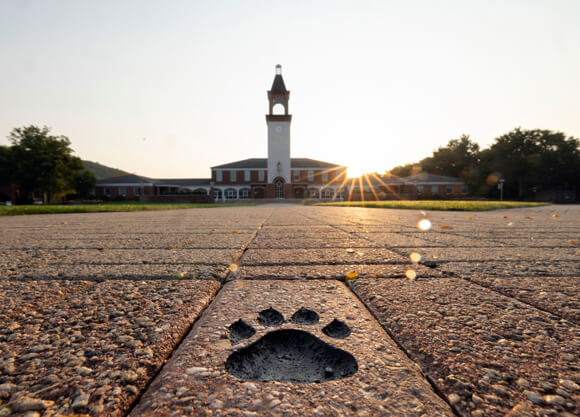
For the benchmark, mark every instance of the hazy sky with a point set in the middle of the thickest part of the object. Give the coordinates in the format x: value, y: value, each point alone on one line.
x: 171, y: 88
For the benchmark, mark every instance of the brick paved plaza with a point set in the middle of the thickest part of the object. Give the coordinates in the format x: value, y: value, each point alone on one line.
x: 118, y: 314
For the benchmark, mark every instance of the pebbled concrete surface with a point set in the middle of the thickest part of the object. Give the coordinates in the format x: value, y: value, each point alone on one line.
x: 195, y: 381
x: 510, y: 273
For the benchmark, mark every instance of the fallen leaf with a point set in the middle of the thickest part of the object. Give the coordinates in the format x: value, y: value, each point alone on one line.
x: 213, y: 229
x: 446, y: 227
x: 574, y: 242
x: 372, y: 276
x: 351, y: 276
x: 555, y: 215
x: 468, y: 217
x: 527, y: 217
x: 63, y: 223
x: 235, y: 232
x: 505, y: 217
x: 349, y: 250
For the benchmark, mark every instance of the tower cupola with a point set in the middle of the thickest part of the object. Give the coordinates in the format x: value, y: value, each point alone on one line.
x: 278, y: 96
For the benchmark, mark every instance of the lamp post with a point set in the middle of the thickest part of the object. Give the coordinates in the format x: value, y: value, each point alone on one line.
x: 500, y: 186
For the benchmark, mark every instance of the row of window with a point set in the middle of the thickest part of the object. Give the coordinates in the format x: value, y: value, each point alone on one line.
x: 435, y: 189
x: 123, y: 191
x: 261, y: 175
x: 230, y: 193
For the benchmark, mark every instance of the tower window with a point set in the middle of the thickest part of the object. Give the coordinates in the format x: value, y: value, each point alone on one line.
x: 278, y: 109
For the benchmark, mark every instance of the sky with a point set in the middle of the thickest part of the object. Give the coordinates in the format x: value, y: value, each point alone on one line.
x: 167, y: 89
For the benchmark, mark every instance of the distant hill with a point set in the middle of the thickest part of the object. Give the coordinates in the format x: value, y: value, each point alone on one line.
x: 102, y: 171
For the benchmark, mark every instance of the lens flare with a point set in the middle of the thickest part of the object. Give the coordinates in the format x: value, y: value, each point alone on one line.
x: 411, y: 275
x: 415, y: 257
x: 233, y: 267
x: 424, y: 224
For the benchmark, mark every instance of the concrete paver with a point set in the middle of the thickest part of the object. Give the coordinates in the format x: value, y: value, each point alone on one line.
x: 488, y: 353
x: 196, y: 382
x: 94, y: 350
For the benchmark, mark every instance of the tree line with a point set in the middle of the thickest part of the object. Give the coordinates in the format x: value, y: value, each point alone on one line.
x: 533, y: 164
x: 41, y: 164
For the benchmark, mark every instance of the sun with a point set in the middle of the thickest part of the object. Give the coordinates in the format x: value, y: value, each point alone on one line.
x: 356, y: 170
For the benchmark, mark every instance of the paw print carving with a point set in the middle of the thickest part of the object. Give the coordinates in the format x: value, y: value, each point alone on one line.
x: 290, y: 355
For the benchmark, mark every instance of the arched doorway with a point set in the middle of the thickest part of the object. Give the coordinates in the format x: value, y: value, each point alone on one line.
x: 279, y: 187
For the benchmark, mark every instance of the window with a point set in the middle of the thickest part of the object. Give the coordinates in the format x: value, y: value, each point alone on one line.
x: 420, y: 189
x: 137, y: 191
x: 324, y: 177
x: 247, y: 175
x: 328, y: 193
x: 123, y: 191
x: 245, y: 193
x: 261, y: 175
x: 233, y: 176
x: 310, y: 175
x: 464, y: 189
x: 231, y: 194
x: 313, y: 193
x: 279, y: 189
x: 218, y: 176
x: 107, y: 191
x: 217, y: 194
x: 434, y: 189
x: 449, y: 189
x: 296, y: 175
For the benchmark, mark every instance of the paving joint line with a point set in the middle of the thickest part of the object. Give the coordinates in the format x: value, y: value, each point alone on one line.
x: 497, y: 291
x: 425, y: 374
x: 188, y: 330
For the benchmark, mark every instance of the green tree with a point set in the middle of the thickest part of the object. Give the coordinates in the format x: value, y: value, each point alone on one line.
x: 534, y: 160
x: 84, y: 183
x: 457, y: 159
x: 42, y: 163
x: 6, y: 165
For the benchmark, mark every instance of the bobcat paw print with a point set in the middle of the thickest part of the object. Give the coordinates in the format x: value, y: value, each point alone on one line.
x: 290, y: 355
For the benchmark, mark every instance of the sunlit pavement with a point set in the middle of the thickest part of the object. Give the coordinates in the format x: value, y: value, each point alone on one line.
x: 477, y: 315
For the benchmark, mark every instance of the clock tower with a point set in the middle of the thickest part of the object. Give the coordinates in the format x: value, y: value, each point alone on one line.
x: 278, y: 121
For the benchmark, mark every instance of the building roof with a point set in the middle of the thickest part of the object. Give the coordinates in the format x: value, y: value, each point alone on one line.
x: 184, y: 182
x: 425, y: 177
x: 126, y: 179
x: 137, y: 179
x: 278, y: 85
x: 262, y: 163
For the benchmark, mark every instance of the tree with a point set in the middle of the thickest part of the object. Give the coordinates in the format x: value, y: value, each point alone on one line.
x: 6, y: 165
x: 84, y: 183
x: 532, y: 160
x: 457, y: 159
x: 42, y: 163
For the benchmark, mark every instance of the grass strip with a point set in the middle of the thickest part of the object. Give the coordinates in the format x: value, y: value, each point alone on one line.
x: 105, y: 207
x: 442, y: 205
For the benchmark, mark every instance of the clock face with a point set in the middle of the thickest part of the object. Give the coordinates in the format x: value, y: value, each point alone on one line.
x: 278, y: 129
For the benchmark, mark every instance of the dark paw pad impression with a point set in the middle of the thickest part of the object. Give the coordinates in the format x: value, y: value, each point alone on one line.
x: 240, y: 330
x: 305, y: 316
x: 291, y: 355
x: 270, y: 317
x: 337, y: 329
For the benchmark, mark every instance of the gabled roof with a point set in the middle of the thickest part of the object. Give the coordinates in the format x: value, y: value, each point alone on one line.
x: 278, y: 85
x: 311, y: 163
x: 184, y: 182
x: 425, y: 177
x: 126, y: 179
x: 262, y: 163
x: 259, y: 163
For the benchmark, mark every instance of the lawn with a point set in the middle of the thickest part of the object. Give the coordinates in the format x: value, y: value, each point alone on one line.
x: 435, y: 205
x: 105, y: 207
